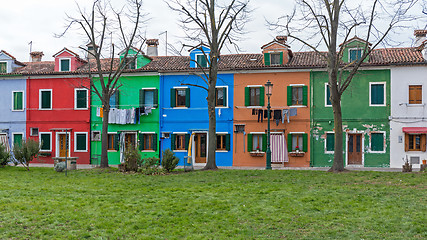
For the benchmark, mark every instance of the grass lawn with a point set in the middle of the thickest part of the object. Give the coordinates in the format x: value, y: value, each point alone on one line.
x: 224, y: 204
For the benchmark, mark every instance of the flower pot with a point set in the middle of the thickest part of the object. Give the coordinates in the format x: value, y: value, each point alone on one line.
x: 424, y: 162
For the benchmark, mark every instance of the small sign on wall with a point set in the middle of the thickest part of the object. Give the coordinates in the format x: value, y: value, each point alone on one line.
x: 400, y: 139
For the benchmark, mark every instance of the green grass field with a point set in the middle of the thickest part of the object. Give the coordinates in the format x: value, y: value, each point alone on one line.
x: 224, y: 204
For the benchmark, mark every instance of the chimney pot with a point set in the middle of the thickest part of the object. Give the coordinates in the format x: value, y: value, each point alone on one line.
x: 36, y: 56
x: 282, y: 39
x: 152, y: 49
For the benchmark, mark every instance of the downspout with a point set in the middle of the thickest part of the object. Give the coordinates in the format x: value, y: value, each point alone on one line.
x: 90, y: 124
x: 311, y: 119
x: 160, y: 106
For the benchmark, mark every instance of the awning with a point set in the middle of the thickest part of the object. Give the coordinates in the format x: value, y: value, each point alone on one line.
x: 4, y: 141
x: 414, y: 129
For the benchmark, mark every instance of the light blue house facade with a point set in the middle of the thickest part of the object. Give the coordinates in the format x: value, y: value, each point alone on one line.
x: 12, y: 102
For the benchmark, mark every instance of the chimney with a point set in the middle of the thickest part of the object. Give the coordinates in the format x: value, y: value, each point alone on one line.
x: 420, y: 37
x: 152, y: 47
x: 91, y: 51
x: 36, y: 56
x: 282, y: 39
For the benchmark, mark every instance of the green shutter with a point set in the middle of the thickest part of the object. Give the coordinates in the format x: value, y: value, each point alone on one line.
x: 304, y: 142
x: 116, y: 141
x: 377, y: 142
x: 281, y: 58
x: 155, y: 98
x: 17, y: 101
x: 250, y: 142
x: 141, y: 138
x: 224, y: 94
x: 173, y: 97
x: 247, y: 96
x: 267, y: 59
x: 116, y: 97
x: 304, y: 95
x: 81, y: 142
x: 261, y: 96
x: 187, y: 97
x: 81, y: 99
x: 187, y: 140
x: 289, y: 142
x: 227, y: 142
x: 45, y: 139
x: 17, y: 139
x: 328, y: 96
x: 264, y: 142
x: 173, y: 137
x: 65, y: 65
x: 154, y: 142
x: 141, y: 98
x: 330, y: 142
x: 46, y: 99
x: 289, y: 95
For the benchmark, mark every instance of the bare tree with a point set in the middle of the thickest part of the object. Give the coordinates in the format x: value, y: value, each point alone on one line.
x: 216, y: 25
x: 325, y: 22
x: 97, y: 25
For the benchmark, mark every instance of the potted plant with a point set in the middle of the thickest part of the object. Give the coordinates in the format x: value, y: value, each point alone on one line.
x: 297, y: 149
x: 257, y: 149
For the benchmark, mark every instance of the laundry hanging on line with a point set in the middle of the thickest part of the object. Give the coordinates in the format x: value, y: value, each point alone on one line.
x: 127, y: 116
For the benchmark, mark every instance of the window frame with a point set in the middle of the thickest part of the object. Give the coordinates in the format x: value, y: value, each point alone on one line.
x: 176, y: 89
x: 304, y: 142
x: 50, y: 140
x: 40, y: 98
x: 75, y: 141
x: 15, y: 134
x: 260, y: 136
x: 6, y: 64
x: 75, y: 98
x: 151, y: 134
x: 223, y: 140
x: 93, y: 135
x: 326, y: 142
x: 353, y: 49
x: 370, y: 141
x: 289, y: 97
x: 415, y: 104
x: 22, y: 100
x: 271, y: 59
x: 225, y: 89
x: 112, y: 149
x: 153, y: 89
x: 180, y: 135
x: 197, y: 62
x: 32, y: 129
x: 385, y: 92
x: 69, y: 64
x: 326, y: 95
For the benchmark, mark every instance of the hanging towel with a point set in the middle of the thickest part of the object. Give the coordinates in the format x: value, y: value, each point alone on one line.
x: 292, y: 112
x: 285, y: 112
x: 260, y: 112
x: 265, y: 114
x: 98, y: 112
x: 112, y: 116
x: 253, y: 112
x: 277, y: 115
x: 132, y: 116
x: 102, y: 112
x: 279, y: 151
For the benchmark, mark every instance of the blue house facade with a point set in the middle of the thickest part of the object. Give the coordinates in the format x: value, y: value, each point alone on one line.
x: 184, y: 120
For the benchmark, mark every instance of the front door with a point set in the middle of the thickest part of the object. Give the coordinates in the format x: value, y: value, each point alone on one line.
x: 130, y: 140
x: 200, y: 144
x: 354, y: 149
x: 63, y: 145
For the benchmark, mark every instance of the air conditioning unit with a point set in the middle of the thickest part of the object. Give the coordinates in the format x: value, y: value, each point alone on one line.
x: 414, y: 160
x: 166, y: 134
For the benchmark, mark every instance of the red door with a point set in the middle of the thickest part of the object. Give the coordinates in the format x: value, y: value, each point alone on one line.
x: 354, y: 149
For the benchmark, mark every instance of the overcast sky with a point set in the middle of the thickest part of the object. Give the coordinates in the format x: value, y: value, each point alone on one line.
x: 23, y: 21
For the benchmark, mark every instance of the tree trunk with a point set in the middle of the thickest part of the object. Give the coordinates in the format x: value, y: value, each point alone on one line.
x: 211, y: 161
x: 338, y: 165
x: 104, y: 138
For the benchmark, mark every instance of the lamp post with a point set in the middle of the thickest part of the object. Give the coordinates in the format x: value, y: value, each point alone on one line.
x: 268, y: 92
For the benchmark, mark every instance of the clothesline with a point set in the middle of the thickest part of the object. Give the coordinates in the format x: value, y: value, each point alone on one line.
x: 264, y: 107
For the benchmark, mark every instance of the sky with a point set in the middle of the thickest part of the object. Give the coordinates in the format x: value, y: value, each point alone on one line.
x: 37, y: 21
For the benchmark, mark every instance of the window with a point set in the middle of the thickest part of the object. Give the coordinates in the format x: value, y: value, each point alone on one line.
x: 377, y: 94
x: 45, y: 142
x: 271, y: 59
x: 113, y: 141
x: 257, y: 142
x: 114, y: 99
x: 18, y: 101
x: 96, y: 136
x: 328, y: 102
x: 223, y: 142
x: 148, y: 98
x: 147, y: 141
x: 46, y: 99
x: 297, y: 141
x: 180, y: 141
x: 415, y: 142
x: 297, y: 95
x: 180, y: 97
x: 80, y: 140
x: 34, y: 132
x: 3, y: 67
x: 254, y: 96
x: 354, y: 54
x: 64, y: 65
x: 130, y: 63
x: 330, y: 142
x: 221, y: 96
x: 415, y: 94
x: 17, y: 139
x: 377, y: 142
x: 80, y: 98
x: 201, y: 60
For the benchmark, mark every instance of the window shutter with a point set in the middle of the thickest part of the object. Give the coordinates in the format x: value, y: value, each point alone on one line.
x: 267, y: 59
x: 380, y: 94
x: 377, y: 142
x: 46, y: 95
x: 155, y: 98
x: 173, y: 97
x: 227, y: 142
x: 304, y: 142
x: 261, y: 96
x: 330, y: 142
x: 154, y: 143
x: 247, y: 96
x: 187, y: 97
x: 264, y: 142
x: 224, y: 94
x: 281, y: 58
x: 173, y: 137
x: 304, y: 95
x: 187, y: 140
x: 423, y: 142
x: 289, y: 142
x: 406, y: 142
x: 141, y: 138
x: 81, y: 142
x: 289, y: 95
x: 141, y: 98
x: 116, y: 96
x: 116, y: 141
x: 328, y: 95
x: 250, y: 142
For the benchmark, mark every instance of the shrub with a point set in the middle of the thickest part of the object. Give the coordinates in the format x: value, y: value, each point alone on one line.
x: 131, y: 157
x: 60, y: 166
x: 25, y: 152
x: 4, y: 155
x: 169, y: 160
x: 150, y: 166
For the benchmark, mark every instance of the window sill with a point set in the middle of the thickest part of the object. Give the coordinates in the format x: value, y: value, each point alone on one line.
x: 17, y: 110
x: 221, y: 151
x: 180, y: 150
x: 299, y: 106
x: 179, y: 107
x: 148, y: 151
x: 112, y: 150
x: 415, y: 105
x: 257, y: 154
x: 254, y: 106
x: 217, y: 107
x: 297, y: 154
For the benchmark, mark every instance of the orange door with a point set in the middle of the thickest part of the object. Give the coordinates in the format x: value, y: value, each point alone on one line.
x: 63, y: 145
x: 354, y: 149
x: 200, y: 144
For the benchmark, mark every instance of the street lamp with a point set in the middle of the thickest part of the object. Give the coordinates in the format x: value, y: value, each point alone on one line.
x: 268, y: 92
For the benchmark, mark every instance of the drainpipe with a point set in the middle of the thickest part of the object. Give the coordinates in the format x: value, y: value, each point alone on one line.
x: 160, y: 106
x: 311, y: 118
